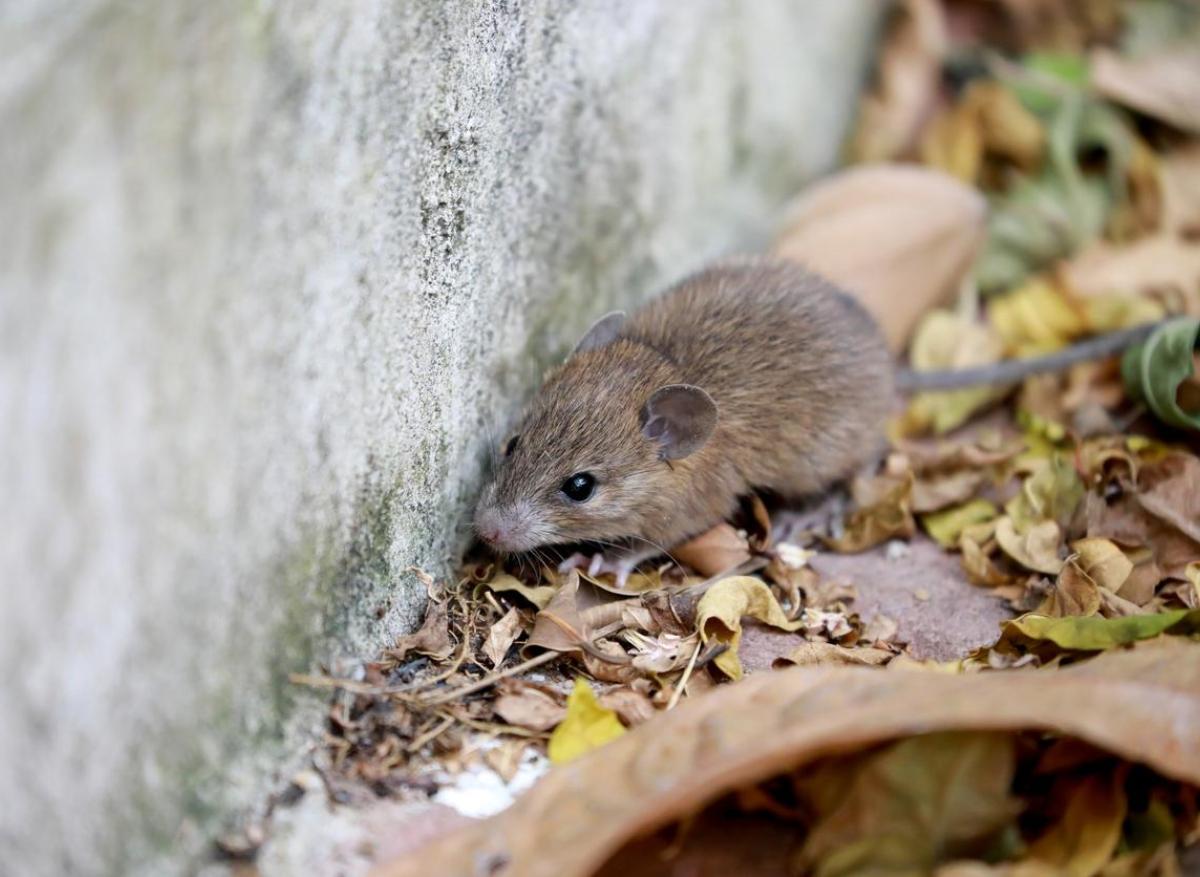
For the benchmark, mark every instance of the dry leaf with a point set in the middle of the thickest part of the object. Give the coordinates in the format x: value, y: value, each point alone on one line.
x: 501, y: 636
x: 714, y: 552
x: 539, y: 596
x: 663, y: 654
x: 1162, y: 84
x: 570, y: 619
x: 505, y: 758
x: 1141, y: 704
x: 528, y: 706
x: 1086, y: 836
x: 587, y: 726
x: 889, y: 516
x: 632, y: 707
x: 1170, y: 490
x: 1180, y: 172
x: 1074, y: 594
x: 1036, y: 549
x: 989, y: 120
x: 925, y: 228
x: 977, y: 562
x: 823, y: 654
x: 947, y: 341
x: 1163, y: 266
x: 720, y: 611
x: 937, y: 491
x: 1103, y: 562
x: 1035, y: 318
x: 433, y: 639
x: 906, y: 84
x: 909, y: 806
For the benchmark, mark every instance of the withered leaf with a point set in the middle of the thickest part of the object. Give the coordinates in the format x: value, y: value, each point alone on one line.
x: 1036, y: 549
x: 501, y: 636
x: 1084, y: 839
x: 528, y: 706
x: 909, y: 806
x: 720, y: 611
x: 715, y: 551
x: 433, y: 639
x: 888, y: 517
x: 925, y: 228
x: 1161, y: 84
x: 1142, y: 704
x: 823, y: 654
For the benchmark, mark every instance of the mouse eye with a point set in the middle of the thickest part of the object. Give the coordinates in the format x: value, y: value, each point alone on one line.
x: 510, y: 445
x: 579, y: 487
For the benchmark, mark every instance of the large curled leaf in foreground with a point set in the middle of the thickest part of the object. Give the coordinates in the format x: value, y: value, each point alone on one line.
x: 1141, y: 705
x: 1155, y: 370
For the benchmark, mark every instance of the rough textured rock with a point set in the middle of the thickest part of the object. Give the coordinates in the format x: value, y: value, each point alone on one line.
x: 271, y: 275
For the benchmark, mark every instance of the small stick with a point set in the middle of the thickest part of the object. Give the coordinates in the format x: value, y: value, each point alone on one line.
x: 490, y: 680
x: 687, y: 674
x: 430, y: 734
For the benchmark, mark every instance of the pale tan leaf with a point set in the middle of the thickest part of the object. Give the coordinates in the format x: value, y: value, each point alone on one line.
x: 924, y: 226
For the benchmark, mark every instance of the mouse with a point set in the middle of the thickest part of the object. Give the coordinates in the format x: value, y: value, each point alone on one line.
x: 751, y: 375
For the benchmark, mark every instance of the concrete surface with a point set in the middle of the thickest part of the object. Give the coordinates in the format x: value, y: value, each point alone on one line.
x: 272, y: 275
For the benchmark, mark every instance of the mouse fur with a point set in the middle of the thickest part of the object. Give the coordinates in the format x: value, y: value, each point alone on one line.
x: 767, y: 378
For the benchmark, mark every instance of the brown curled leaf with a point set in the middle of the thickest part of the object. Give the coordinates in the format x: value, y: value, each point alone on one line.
x: 1142, y: 705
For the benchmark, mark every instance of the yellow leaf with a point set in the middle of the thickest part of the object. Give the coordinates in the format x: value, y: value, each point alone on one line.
x: 1103, y: 562
x: 1192, y: 571
x: 953, y: 143
x: 947, y: 525
x: 1082, y: 842
x: 1036, y: 549
x: 587, y: 726
x: 720, y: 611
x: 1053, y: 492
x: 539, y: 596
x: 944, y: 340
x: 1035, y: 318
x: 1108, y: 312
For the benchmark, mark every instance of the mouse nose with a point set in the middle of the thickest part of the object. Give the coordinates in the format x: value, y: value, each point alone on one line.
x: 488, y: 526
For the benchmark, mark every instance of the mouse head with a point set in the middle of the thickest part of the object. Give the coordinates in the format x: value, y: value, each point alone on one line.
x: 593, y: 456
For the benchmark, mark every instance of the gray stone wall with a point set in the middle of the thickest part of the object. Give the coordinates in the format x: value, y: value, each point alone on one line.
x: 271, y: 276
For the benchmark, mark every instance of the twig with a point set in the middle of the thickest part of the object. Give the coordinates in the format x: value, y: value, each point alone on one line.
x: 430, y: 734
x: 490, y: 680
x: 687, y: 674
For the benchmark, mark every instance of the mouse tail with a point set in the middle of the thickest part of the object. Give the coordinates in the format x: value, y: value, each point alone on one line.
x: 1012, y: 371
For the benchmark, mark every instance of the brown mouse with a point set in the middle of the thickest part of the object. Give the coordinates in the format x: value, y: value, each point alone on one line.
x: 750, y: 375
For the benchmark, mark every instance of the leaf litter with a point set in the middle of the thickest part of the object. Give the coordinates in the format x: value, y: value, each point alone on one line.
x: 1029, y: 176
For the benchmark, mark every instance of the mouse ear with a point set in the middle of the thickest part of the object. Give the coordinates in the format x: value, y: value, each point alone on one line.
x: 680, y: 418
x: 604, y: 331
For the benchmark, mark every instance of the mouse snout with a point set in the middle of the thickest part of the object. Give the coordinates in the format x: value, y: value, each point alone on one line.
x: 501, y: 528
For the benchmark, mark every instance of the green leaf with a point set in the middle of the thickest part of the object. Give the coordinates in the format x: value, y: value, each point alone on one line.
x: 1049, y: 72
x: 1154, y: 370
x: 947, y: 525
x: 1093, y: 634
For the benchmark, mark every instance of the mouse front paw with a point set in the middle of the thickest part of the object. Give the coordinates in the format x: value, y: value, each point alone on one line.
x: 621, y: 565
